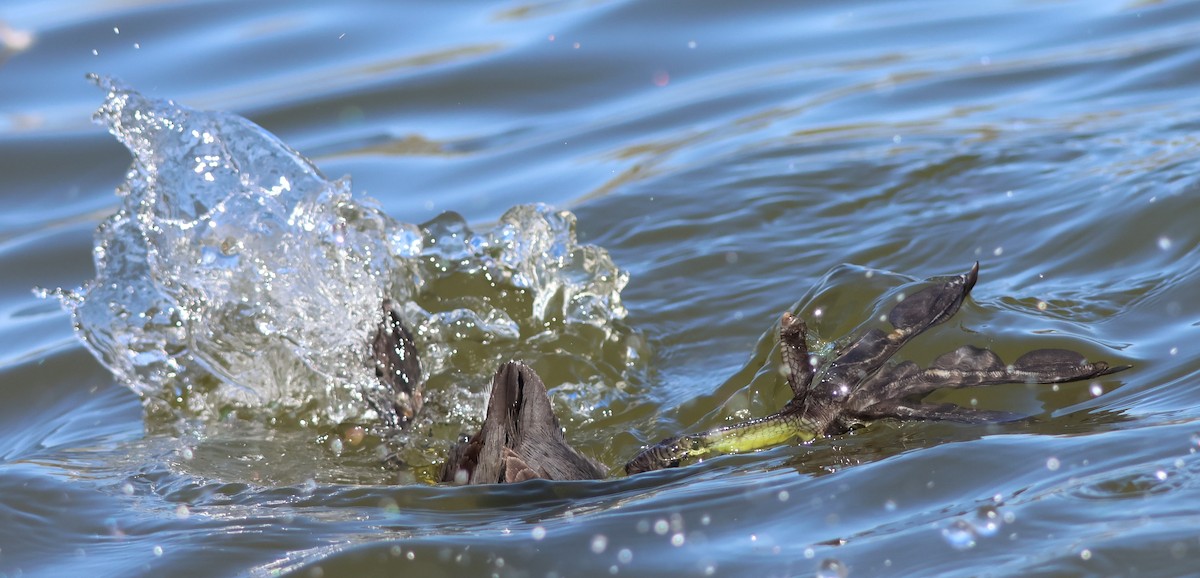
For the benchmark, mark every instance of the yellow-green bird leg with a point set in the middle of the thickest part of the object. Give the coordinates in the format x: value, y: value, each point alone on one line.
x: 743, y: 437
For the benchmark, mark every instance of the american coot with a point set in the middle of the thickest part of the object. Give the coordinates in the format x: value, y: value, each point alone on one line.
x: 521, y: 438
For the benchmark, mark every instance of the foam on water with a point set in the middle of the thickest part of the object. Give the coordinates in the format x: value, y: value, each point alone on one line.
x: 236, y: 277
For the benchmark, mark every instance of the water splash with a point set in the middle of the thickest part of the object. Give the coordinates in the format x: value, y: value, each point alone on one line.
x: 236, y: 278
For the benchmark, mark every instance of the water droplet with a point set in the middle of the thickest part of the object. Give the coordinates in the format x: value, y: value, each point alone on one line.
x: 1052, y: 464
x: 599, y: 543
x: 661, y: 527
x: 987, y: 521
x: 625, y: 556
x: 960, y: 535
x: 890, y: 505
x: 677, y: 539
x: 538, y: 533
x: 1164, y: 243
x: 832, y: 568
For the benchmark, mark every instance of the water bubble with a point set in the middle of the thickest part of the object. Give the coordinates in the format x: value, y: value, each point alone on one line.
x: 625, y: 556
x: 661, y: 527
x: 599, y: 543
x: 677, y: 539
x: 158, y: 551
x: 1052, y: 464
x: 1164, y: 243
x: 890, y: 505
x: 832, y: 568
x: 538, y: 533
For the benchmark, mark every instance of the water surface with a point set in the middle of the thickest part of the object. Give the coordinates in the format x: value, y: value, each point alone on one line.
x: 737, y: 161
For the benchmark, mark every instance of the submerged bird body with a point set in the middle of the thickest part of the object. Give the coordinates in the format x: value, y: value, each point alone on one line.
x: 521, y: 438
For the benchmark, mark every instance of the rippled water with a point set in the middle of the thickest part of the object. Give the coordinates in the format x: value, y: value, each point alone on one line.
x: 736, y: 161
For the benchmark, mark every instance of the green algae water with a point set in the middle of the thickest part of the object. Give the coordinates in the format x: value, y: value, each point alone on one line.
x: 654, y: 183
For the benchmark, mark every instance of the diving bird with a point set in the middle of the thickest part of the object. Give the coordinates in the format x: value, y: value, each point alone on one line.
x: 521, y: 438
